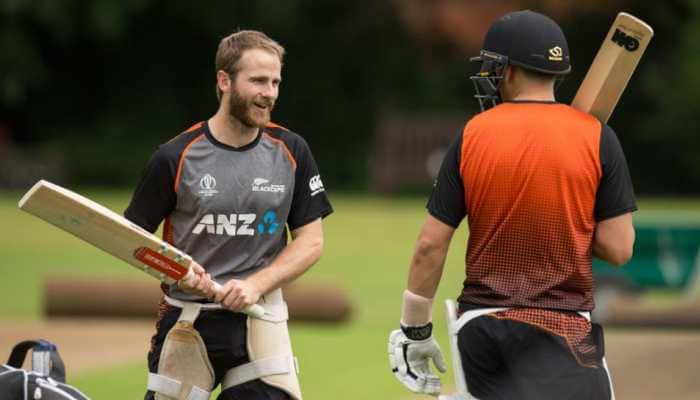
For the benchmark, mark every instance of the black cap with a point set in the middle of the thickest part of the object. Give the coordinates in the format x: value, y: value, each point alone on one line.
x: 529, y: 40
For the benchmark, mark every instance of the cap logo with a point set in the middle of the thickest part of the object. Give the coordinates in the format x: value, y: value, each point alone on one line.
x: 555, y: 54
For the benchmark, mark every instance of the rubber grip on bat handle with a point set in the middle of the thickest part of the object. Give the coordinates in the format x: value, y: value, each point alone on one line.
x: 255, y: 310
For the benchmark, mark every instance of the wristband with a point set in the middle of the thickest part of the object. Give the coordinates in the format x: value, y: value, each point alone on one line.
x: 416, y: 310
x: 418, y: 332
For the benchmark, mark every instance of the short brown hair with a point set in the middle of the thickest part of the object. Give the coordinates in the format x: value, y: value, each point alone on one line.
x: 232, y: 47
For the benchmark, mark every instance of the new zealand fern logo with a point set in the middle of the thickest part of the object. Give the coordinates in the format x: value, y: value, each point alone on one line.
x: 269, y: 223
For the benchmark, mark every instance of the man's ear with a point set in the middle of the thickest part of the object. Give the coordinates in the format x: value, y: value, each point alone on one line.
x: 223, y: 81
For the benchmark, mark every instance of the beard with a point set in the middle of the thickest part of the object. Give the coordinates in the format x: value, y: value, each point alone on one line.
x: 247, y: 112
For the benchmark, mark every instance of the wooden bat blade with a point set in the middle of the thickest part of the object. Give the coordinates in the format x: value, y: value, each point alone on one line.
x: 109, y: 231
x: 105, y: 229
x: 613, y: 66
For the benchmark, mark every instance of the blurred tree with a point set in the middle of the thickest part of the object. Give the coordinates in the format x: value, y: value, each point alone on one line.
x: 104, y: 81
x: 667, y: 120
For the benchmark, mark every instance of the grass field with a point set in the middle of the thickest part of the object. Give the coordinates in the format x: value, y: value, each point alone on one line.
x: 368, y: 246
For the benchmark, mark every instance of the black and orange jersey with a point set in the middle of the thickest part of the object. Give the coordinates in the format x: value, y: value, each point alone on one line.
x: 229, y: 207
x: 533, y: 179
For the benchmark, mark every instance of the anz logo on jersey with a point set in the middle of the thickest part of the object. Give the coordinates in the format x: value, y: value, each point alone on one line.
x: 237, y: 224
x: 269, y: 223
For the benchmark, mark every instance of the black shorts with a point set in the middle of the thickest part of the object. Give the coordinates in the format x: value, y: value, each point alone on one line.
x: 224, y: 335
x: 505, y: 359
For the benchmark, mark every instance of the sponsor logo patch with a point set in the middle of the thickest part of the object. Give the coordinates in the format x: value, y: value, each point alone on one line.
x: 625, y: 41
x: 269, y: 224
x: 222, y: 224
x: 160, y: 263
x: 238, y: 224
x: 316, y: 185
x: 208, y: 186
x: 264, y: 185
x: 556, y: 54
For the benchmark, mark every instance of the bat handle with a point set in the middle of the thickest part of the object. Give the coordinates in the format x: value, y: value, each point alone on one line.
x: 255, y: 310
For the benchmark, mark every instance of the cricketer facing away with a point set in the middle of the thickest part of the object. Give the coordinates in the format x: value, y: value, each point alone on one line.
x: 228, y: 188
x: 545, y: 188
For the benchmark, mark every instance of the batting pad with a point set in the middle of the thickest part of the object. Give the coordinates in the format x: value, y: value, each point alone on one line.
x: 269, y: 349
x: 184, y: 370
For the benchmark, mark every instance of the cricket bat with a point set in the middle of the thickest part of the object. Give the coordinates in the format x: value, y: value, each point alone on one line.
x: 109, y: 231
x: 613, y: 66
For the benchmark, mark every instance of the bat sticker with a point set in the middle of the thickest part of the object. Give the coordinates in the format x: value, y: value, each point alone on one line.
x: 161, y: 263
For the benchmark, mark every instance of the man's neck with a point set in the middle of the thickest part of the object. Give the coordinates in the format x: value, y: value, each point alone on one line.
x: 523, y: 90
x: 533, y: 97
x: 532, y: 94
x: 228, y: 130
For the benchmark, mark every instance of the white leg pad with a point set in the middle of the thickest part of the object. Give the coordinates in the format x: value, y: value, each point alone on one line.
x: 184, y: 369
x: 270, y: 351
x: 258, y: 368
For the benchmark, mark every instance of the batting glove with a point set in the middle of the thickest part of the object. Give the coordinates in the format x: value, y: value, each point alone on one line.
x: 410, y: 352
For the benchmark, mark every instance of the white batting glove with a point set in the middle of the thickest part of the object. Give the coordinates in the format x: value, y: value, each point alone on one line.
x: 410, y: 359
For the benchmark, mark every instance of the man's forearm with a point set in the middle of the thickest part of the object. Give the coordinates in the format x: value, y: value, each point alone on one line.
x: 295, y: 259
x: 426, y: 268
x: 429, y: 257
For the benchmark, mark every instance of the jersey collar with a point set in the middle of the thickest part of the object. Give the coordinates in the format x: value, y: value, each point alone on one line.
x: 532, y: 101
x: 212, y: 139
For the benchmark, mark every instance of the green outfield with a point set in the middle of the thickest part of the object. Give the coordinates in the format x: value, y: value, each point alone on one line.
x: 368, y: 245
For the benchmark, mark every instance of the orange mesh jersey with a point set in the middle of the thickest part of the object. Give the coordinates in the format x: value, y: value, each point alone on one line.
x: 530, y: 174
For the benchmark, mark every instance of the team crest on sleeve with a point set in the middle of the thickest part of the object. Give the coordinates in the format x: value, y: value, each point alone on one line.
x: 208, y: 186
x: 316, y: 185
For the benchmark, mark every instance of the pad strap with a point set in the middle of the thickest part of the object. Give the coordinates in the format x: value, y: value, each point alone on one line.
x: 258, y: 369
x: 164, y: 385
x: 198, y: 394
x: 470, y: 315
x: 275, y: 312
x: 172, y: 387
